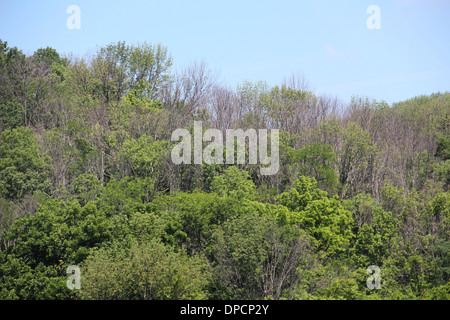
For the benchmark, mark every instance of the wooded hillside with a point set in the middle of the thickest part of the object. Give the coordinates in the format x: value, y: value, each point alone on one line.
x: 86, y: 178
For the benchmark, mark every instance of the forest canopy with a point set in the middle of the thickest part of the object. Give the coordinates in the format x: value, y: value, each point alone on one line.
x: 86, y: 179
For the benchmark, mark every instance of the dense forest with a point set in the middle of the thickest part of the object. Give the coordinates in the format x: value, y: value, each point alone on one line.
x: 86, y: 179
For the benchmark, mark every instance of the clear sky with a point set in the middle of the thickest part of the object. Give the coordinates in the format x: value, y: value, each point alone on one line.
x: 326, y: 41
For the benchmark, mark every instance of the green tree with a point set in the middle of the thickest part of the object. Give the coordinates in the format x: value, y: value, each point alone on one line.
x: 443, y: 148
x: 441, y: 255
x: 119, y: 68
x: 438, y: 293
x: 289, y: 109
x: 27, y: 82
x: 318, y: 160
x: 146, y: 271
x: 355, y: 160
x: 324, y: 218
x: 373, y: 243
x: 198, y: 213
x: 20, y: 281
x: 86, y: 188
x: 128, y: 192
x: 255, y: 258
x: 53, y: 59
x: 23, y: 169
x: 10, y: 107
x: 59, y: 231
x: 234, y: 183
x: 143, y: 156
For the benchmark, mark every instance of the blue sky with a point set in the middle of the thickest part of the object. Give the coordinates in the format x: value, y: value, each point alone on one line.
x: 325, y: 41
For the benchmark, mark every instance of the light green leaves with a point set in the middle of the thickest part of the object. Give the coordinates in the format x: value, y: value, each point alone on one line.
x: 322, y: 217
x: 143, y: 271
x: 234, y: 183
x: 22, y: 168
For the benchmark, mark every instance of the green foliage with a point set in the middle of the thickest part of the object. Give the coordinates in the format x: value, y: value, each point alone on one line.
x: 322, y: 217
x: 234, y: 183
x: 318, y: 160
x: 374, y: 240
x: 86, y: 188
x: 10, y: 107
x: 339, y: 282
x: 143, y: 155
x: 355, y: 158
x: 255, y: 258
x: 59, y: 232
x: 22, y: 168
x: 52, y: 58
x: 86, y: 178
x: 442, y: 173
x: 443, y: 148
x: 119, y: 68
x: 128, y: 192
x: 20, y: 281
x: 438, y: 293
x: 283, y: 103
x: 197, y: 213
x: 146, y: 271
x: 441, y: 252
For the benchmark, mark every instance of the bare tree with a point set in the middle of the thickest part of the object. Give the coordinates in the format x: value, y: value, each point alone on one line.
x: 285, y: 264
x: 28, y: 79
x: 188, y: 92
x: 222, y: 108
